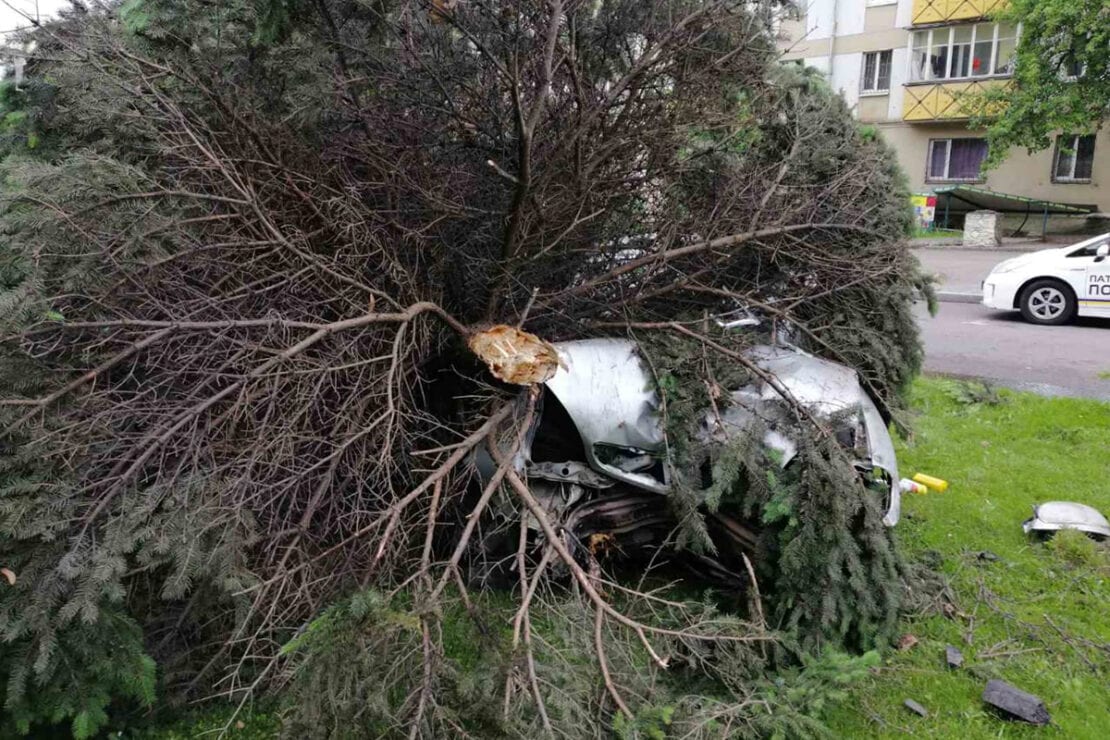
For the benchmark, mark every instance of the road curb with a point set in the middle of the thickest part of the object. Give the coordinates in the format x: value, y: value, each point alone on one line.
x: 1005, y: 249
x: 950, y: 296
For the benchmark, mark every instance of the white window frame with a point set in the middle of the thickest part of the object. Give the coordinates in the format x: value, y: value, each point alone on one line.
x: 876, y: 90
x: 946, y: 36
x: 929, y: 177
x: 1074, y: 160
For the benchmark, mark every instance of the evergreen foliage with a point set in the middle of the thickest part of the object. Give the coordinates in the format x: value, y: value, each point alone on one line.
x: 350, y: 678
x: 1061, y: 80
x: 72, y: 672
x: 234, y: 239
x: 829, y: 568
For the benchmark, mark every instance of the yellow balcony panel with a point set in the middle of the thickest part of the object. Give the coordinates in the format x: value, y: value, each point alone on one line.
x: 948, y: 11
x: 945, y: 101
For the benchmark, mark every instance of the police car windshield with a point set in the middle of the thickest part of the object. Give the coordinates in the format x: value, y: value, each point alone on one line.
x: 1089, y: 247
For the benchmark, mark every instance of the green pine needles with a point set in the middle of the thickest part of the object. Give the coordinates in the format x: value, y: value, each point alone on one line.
x: 72, y: 673
x: 242, y: 249
x: 356, y: 672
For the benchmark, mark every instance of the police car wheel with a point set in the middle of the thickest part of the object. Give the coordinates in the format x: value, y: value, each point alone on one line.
x: 1048, y: 302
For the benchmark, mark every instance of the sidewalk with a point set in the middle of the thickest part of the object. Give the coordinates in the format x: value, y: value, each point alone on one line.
x: 960, y: 272
x: 1009, y: 243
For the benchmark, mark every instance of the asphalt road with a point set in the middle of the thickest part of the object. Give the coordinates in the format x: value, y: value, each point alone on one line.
x: 963, y: 270
x: 968, y: 340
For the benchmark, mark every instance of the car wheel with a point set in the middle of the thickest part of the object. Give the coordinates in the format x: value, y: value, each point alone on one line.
x: 1047, y: 302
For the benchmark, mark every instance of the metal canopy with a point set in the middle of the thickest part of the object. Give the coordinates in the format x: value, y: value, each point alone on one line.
x: 961, y: 199
x: 964, y: 198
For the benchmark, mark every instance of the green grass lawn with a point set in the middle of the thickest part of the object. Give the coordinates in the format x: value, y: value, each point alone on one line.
x: 936, y: 233
x: 1034, y: 617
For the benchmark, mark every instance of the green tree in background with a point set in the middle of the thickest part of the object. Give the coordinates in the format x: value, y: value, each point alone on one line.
x: 1062, y: 75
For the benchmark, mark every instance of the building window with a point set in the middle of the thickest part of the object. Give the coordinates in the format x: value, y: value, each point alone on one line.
x: 958, y: 160
x: 963, y: 52
x: 876, y: 71
x: 1075, y: 158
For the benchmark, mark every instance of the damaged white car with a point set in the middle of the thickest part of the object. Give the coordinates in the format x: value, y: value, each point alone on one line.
x: 595, y: 455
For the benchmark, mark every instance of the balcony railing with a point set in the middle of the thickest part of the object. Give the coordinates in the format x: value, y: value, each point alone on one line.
x: 947, y: 11
x: 945, y: 101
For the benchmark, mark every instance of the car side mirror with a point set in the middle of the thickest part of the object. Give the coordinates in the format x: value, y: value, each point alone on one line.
x: 1101, y: 252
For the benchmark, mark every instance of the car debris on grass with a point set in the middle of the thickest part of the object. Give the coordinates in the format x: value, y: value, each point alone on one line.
x: 916, y: 708
x: 1013, y: 703
x: 1052, y: 516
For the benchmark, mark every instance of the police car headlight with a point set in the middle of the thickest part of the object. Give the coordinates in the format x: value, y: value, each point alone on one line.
x: 1005, y: 267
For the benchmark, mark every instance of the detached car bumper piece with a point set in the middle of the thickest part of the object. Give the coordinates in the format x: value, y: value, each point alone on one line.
x: 1053, y: 516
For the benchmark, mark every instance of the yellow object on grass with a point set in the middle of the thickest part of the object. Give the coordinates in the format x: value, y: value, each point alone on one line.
x: 937, y: 484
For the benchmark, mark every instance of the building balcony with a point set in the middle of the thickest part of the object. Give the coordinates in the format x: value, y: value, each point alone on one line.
x: 926, y: 12
x: 944, y: 101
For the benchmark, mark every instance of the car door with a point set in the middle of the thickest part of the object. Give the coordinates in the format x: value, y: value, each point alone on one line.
x: 1094, y: 292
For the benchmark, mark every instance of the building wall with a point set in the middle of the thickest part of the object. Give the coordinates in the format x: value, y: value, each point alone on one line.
x: 1021, y: 173
x: 873, y: 108
x: 861, y: 27
x: 879, y: 18
x: 833, y: 37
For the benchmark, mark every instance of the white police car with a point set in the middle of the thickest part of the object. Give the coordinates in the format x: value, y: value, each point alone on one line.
x: 1053, y: 286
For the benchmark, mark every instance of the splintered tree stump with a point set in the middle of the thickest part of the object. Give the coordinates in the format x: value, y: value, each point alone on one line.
x: 1014, y: 703
x: 515, y: 356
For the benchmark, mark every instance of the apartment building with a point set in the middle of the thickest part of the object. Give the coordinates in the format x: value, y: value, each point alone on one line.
x: 901, y: 66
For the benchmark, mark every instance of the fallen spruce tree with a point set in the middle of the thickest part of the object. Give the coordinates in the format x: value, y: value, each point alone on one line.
x: 242, y: 244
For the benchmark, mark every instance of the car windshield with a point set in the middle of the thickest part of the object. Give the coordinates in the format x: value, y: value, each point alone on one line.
x: 1089, y: 247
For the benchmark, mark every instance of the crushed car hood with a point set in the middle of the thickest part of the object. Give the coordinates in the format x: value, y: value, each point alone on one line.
x: 610, y: 396
x: 609, y: 393
x: 828, y: 388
